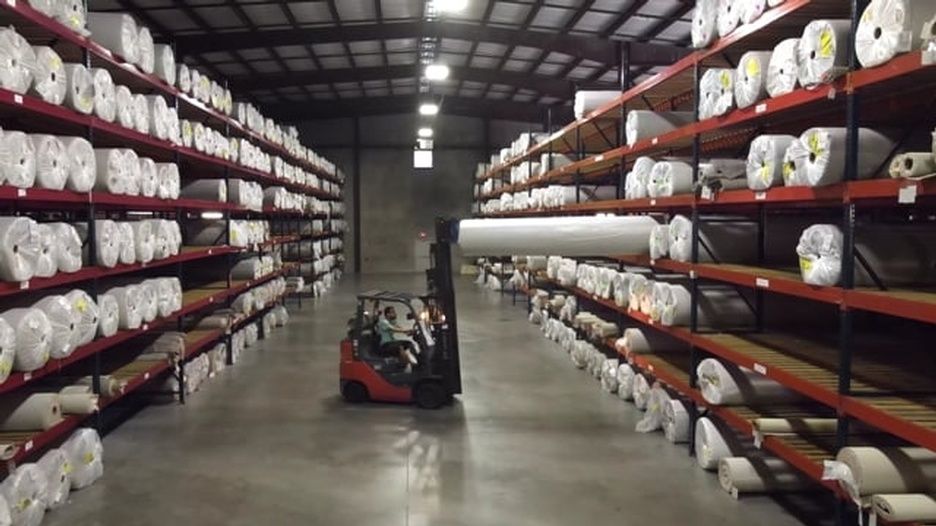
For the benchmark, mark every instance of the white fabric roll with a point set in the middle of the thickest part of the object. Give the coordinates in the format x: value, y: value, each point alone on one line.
x: 669, y: 178
x: 166, y: 300
x: 17, y: 159
x: 567, y: 236
x: 730, y: 385
x: 818, y: 156
x: 704, y: 23
x: 751, y: 78
x: 625, y: 378
x: 146, y: 52
x: 723, y: 174
x: 26, y: 491
x: 653, y: 417
x: 911, y: 507
x: 659, y: 242
x: 765, y: 161
x: 20, y: 248
x: 68, y: 257
x: 871, y: 470
x: 206, y: 189
x: 675, y: 422
x: 47, y: 263
x: 912, y: 165
x: 109, y: 315
x: 589, y: 101
x: 80, y: 93
x: 50, y: 82
x: 7, y: 349
x: 107, y: 236
x: 129, y: 304
x: 729, y: 16
x: 750, y: 10
x: 45, y: 7
x: 88, y: 316
x: 165, y: 66
x: 168, y: 181
x: 823, y: 52
x: 86, y: 455
x: 149, y: 177
x: 140, y: 113
x: 126, y: 243
x: 64, y: 323
x: 33, y: 337
x: 17, y: 61
x: 783, y: 68
x: 55, y: 466
x: 105, y: 96
x: 641, y: 391
x: 134, y: 180
x: 184, y: 79
x: 73, y: 14
x: 645, y: 124
x: 636, y: 181
x: 717, y: 92
x: 672, y: 305
x: 144, y: 240
x: 711, y: 445
x: 52, y: 162
x: 158, y: 117
x: 759, y: 475
x: 891, y: 27
x: 117, y: 32
x: 82, y: 164
x: 112, y: 170
x: 149, y: 300
x: 123, y: 99
x: 639, y: 341
x: 724, y: 241
x: 820, y: 255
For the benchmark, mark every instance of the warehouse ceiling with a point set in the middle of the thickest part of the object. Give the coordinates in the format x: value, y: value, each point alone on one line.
x: 507, y: 58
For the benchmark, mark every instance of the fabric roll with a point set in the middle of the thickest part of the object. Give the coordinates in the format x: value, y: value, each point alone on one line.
x: 52, y: 162
x: 637, y: 180
x: 184, y: 79
x: 109, y: 315
x: 88, y: 316
x: 794, y: 426
x: 910, y: 507
x: 117, y: 32
x: 64, y: 321
x: 33, y: 337
x: 86, y: 455
x: 675, y: 422
x: 129, y: 304
x: 146, y: 51
x: 644, y: 124
x: 112, y: 170
x: 669, y: 178
x: 105, y: 96
x: 134, y: 179
x: 912, y: 165
x: 712, y: 444
x: 750, y: 10
x: 729, y: 385
x: 717, y: 92
x: 723, y: 174
x: 68, y: 256
x: 206, y: 189
x: 157, y: 115
x: 783, y: 68
x: 7, y: 349
x: 144, y: 240
x: 80, y: 93
x: 17, y: 61
x: 865, y: 471
x: 625, y: 378
x: 641, y: 391
x: 165, y: 292
x: 45, y: 7
x: 82, y: 164
x: 729, y: 16
x: 639, y: 341
x: 26, y: 491
x: 55, y: 467
x: 20, y: 248
x: 818, y: 157
x: 820, y: 255
x: 73, y: 14
x: 29, y: 412
x: 46, y: 264
x: 888, y: 28
x: 765, y: 161
x: 672, y: 305
x: 659, y: 242
x: 822, y: 54
x: 168, y: 181
x: 123, y: 100
x: 751, y: 77
x: 723, y: 241
x: 759, y: 475
x: 140, y: 113
x: 165, y: 64
x: 653, y: 417
x: 17, y: 159
x: 149, y: 177
x: 149, y: 300
x: 126, y: 243
x: 107, y: 241
x: 589, y: 101
x: 248, y: 268
x: 704, y: 23
x: 50, y: 82
x: 639, y: 285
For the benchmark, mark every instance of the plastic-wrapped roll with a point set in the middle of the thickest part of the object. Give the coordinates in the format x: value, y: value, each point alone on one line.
x: 704, y: 23
x: 86, y: 455
x: 710, y: 444
x: 17, y: 159
x: 589, y: 101
x: 46, y: 264
x: 912, y: 165
x: 818, y: 157
x: 26, y: 491
x: 20, y: 248
x: 751, y: 78
x: 820, y: 255
x: 625, y: 379
x: 176, y: 287
x: 750, y: 10
x: 123, y: 99
x: 783, y: 68
x: 64, y: 323
x: 88, y: 316
x: 765, y: 161
x: 186, y: 131
x: 675, y: 422
x: 149, y: 178
x: 146, y: 51
x: 157, y: 115
x: 105, y: 97
x: 55, y: 466
x: 108, y: 315
x: 175, y: 135
x: 126, y: 243
x: 909, y: 507
x: 164, y: 239
x: 759, y: 475
x: 248, y: 268
x: 165, y: 65
x: 659, y: 242
x: 723, y: 174
x: 7, y: 349
x: 822, y: 54
x: 52, y: 162
x: 112, y: 170
x: 644, y: 124
x: 717, y: 91
x: 82, y: 164
x: 567, y: 236
x: 140, y: 113
x: 144, y: 240
x: 117, y: 32
x: 671, y: 304
x: 107, y: 237
x: 641, y: 391
x: 80, y: 93
x: 50, y: 81
x: 73, y: 14
x: 17, y: 61
x: 888, y: 28
x: 149, y: 300
x: 729, y: 16
x: 724, y: 385
x: 206, y: 189
x: 185, y: 79
x: 723, y: 241
x: 45, y: 7
x: 68, y: 253
x: 165, y: 296
x: 669, y: 178
x: 169, y: 181
x: 653, y: 417
x: 134, y: 178
x: 129, y: 305
x: 33, y: 337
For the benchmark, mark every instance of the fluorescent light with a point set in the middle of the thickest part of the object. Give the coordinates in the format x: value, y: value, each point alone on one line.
x: 425, y: 133
x: 212, y: 215
x: 429, y: 109
x: 437, y: 72
x: 450, y: 6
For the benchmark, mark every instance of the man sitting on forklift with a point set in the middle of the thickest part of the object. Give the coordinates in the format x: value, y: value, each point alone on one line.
x: 391, y: 342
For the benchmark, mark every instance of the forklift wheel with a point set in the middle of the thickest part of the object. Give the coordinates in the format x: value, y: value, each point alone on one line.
x: 355, y: 392
x: 430, y: 395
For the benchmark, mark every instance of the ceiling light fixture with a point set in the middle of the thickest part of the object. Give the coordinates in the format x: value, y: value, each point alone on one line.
x: 425, y: 133
x: 429, y: 109
x: 436, y: 72
x: 450, y: 6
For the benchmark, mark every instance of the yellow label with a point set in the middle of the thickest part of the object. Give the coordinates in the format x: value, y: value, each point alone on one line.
x: 725, y: 80
x: 88, y: 458
x: 5, y: 368
x: 805, y: 264
x: 753, y: 68
x: 81, y: 305
x: 22, y: 505
x: 814, y: 145
x: 826, y: 43
x: 67, y: 468
x: 788, y: 169
x: 765, y: 173
x: 56, y: 63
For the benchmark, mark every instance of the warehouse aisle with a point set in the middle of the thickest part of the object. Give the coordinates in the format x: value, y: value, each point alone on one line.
x: 532, y: 443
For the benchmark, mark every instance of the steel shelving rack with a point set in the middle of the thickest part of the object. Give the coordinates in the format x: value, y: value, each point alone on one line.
x: 840, y: 375
x: 199, y: 297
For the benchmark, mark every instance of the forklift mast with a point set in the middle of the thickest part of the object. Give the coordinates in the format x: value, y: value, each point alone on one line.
x: 440, y: 285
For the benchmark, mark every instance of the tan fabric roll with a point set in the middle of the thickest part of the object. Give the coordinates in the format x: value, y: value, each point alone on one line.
x: 29, y: 412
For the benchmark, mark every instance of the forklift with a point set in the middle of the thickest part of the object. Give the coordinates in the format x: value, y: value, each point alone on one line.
x: 366, y: 376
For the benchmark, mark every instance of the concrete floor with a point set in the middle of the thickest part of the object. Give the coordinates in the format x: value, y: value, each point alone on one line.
x: 532, y: 442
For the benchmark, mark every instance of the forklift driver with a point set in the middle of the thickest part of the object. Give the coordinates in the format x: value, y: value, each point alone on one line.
x: 395, y: 340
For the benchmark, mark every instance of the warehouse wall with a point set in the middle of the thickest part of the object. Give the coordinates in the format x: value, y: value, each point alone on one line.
x: 398, y: 205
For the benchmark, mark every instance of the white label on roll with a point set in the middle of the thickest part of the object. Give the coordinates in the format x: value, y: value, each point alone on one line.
x: 146, y: 375
x: 27, y: 377
x: 650, y: 367
x: 707, y: 193
x: 653, y: 202
x: 655, y: 140
x: 599, y: 158
x: 907, y: 194
x: 28, y: 445
x: 763, y: 283
x: 146, y: 326
x: 760, y: 196
x: 210, y: 250
x: 760, y: 108
x: 24, y: 285
x: 760, y: 369
x: 18, y: 99
x: 21, y: 192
